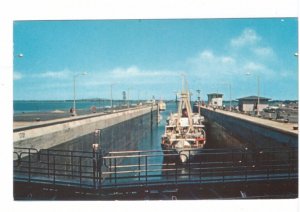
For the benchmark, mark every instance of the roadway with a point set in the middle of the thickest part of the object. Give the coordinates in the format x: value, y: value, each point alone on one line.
x: 285, y: 127
x: 39, y: 119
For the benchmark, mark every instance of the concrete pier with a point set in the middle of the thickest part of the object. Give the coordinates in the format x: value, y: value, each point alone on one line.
x: 257, y: 132
x: 47, y: 134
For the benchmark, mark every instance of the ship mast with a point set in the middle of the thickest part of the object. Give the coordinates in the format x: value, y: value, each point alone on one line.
x: 185, y: 103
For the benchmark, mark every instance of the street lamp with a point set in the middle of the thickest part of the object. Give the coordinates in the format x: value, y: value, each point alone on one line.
x: 248, y: 74
x: 74, y: 91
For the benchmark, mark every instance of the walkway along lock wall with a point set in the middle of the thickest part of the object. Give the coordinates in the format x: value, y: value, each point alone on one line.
x: 113, y: 126
x: 254, y: 132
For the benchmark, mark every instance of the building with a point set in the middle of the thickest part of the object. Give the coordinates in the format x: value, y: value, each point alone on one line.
x: 250, y: 103
x: 215, y: 99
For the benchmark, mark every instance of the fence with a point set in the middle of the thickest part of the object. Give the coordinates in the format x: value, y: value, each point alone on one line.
x: 96, y: 170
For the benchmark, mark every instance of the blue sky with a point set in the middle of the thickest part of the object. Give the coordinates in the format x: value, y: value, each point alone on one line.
x: 148, y: 57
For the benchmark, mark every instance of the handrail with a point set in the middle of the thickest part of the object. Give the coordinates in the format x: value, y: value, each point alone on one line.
x: 93, y: 169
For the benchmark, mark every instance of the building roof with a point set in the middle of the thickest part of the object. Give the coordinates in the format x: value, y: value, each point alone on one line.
x: 253, y: 98
x: 215, y: 94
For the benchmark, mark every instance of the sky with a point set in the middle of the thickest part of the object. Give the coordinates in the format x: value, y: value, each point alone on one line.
x: 149, y: 58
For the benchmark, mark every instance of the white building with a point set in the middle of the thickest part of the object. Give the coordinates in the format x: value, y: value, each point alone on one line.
x: 215, y: 99
x: 250, y: 103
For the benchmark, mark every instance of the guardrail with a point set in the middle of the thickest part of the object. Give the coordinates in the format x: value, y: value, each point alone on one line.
x: 130, y: 169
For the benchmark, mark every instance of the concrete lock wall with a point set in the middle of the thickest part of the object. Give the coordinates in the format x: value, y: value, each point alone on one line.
x: 252, y: 134
x: 116, y: 124
x: 123, y: 136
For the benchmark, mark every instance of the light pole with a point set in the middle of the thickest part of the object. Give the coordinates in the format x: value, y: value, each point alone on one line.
x: 74, y: 91
x: 258, y: 85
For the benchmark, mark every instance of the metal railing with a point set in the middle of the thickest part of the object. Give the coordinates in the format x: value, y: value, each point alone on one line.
x: 98, y: 171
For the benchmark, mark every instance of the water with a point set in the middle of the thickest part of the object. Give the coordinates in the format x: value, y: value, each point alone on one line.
x: 152, y: 142
x: 21, y: 106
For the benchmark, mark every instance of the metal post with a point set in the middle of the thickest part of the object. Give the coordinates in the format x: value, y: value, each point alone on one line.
x: 29, y: 167
x: 99, y: 168
x: 115, y: 164
x: 176, y: 172
x: 80, y: 174
x: 230, y: 97
x: 139, y: 166
x: 72, y: 171
x: 289, y: 153
x: 94, y: 167
x: 246, y: 164
x: 146, y: 166
x: 257, y: 95
x: 200, y: 174
x: 189, y: 159
x: 53, y: 169
x: 74, y: 95
x: 95, y: 147
x: 48, y: 162
x: 111, y: 97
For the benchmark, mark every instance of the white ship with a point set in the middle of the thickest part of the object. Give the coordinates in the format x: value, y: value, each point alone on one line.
x: 184, y: 131
x: 161, y: 105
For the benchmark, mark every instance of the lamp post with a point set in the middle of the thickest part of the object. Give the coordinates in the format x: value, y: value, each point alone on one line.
x: 74, y: 91
x: 258, y: 85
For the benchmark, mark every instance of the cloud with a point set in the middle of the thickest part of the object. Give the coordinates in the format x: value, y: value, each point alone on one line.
x: 134, y: 72
x: 248, y: 37
x: 227, y: 60
x: 252, y: 66
x: 56, y: 74
x: 288, y: 74
x: 17, y: 75
x: 208, y: 56
x: 266, y: 52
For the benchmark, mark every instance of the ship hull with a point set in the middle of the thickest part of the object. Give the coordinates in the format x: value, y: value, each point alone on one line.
x: 181, y: 154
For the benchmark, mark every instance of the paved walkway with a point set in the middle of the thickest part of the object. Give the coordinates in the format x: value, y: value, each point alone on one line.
x: 286, y: 127
x: 28, y: 120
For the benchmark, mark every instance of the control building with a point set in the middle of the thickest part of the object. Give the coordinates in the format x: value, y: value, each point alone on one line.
x: 215, y: 100
x: 253, y: 103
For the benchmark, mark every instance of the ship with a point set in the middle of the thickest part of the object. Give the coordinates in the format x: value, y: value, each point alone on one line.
x: 161, y: 105
x: 184, y: 131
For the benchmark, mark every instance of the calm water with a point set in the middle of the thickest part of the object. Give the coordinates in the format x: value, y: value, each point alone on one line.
x: 46, y: 106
